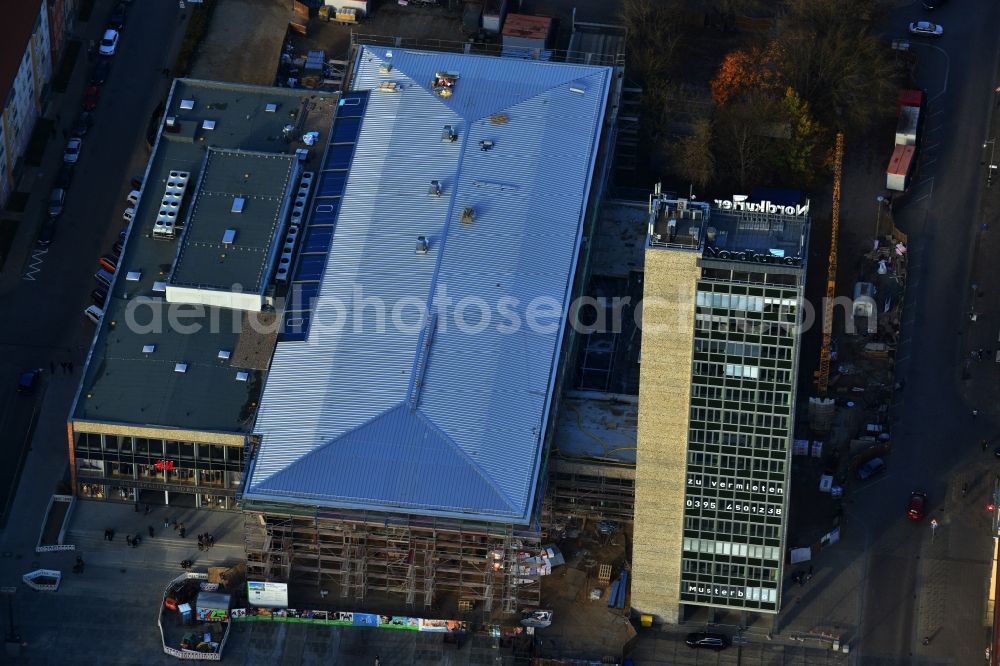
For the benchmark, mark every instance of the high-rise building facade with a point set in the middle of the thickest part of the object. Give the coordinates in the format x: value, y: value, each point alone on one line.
x: 722, y: 296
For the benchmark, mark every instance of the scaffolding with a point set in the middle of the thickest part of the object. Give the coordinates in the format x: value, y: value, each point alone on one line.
x: 412, y: 558
x: 589, y: 491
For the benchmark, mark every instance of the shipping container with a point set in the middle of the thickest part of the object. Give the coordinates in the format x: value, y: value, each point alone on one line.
x: 915, y: 98
x: 362, y: 7
x: 901, y: 165
x: 524, y: 31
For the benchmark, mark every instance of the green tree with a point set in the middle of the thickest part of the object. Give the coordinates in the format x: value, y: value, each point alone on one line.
x: 800, y: 156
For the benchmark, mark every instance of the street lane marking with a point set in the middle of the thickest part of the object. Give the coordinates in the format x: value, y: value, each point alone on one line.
x: 947, y: 66
x: 34, y: 264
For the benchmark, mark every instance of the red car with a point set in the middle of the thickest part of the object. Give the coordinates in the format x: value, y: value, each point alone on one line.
x: 90, y: 98
x: 917, y: 507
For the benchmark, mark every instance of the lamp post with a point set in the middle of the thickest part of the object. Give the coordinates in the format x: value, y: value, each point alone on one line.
x: 992, y: 143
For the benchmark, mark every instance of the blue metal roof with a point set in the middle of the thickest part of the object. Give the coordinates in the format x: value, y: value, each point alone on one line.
x: 382, y: 407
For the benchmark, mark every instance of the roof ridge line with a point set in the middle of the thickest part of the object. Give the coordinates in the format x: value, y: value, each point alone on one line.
x: 467, y: 458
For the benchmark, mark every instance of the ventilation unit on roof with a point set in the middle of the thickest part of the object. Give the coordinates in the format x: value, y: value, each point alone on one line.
x: 448, y: 134
x: 237, y: 205
x: 421, y: 245
x: 270, y: 107
x: 148, y: 349
x: 181, y: 367
x: 485, y: 145
x: 208, y: 124
x: 228, y: 236
x: 468, y: 215
x: 187, y: 104
x: 435, y: 189
x: 168, y: 217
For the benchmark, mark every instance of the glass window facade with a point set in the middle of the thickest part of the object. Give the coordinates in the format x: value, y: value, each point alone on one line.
x: 740, y: 429
x: 113, y: 467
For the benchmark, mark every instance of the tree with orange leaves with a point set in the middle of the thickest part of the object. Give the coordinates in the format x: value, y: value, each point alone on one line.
x: 744, y: 70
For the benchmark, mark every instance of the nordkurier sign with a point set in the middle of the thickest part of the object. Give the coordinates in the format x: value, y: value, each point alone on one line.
x: 770, y: 257
x: 739, y: 203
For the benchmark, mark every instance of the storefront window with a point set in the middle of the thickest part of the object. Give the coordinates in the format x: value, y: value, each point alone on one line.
x: 182, y: 475
x: 87, y: 467
x: 121, y: 493
x: 141, y: 445
x: 126, y: 445
x: 156, y: 447
x: 187, y: 450
x: 213, y: 502
x: 212, y: 478
x: 121, y: 470
x: 234, y: 479
x: 93, y: 490
x: 150, y: 473
x: 172, y: 448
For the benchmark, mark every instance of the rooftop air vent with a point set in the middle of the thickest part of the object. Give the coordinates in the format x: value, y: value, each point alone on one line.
x: 187, y: 104
x: 448, y: 134
x: 133, y: 276
x: 237, y: 205
x: 224, y: 354
x: 229, y: 236
x: 485, y: 145
x: 242, y: 376
x: 208, y: 124
x: 435, y: 189
x: 421, y: 245
x: 468, y: 215
x: 171, y: 122
x: 270, y: 107
x: 148, y: 349
x: 181, y: 367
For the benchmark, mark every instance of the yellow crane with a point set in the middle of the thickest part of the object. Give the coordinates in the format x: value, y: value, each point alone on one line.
x: 823, y: 374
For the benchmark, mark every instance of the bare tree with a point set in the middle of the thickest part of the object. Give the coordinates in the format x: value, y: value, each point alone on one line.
x: 743, y: 136
x: 693, y: 155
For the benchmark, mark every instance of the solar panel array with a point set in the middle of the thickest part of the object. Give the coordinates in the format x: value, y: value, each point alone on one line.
x: 325, y: 208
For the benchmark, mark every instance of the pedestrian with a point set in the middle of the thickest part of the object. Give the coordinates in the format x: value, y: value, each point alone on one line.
x: 182, y: 531
x: 201, y: 542
x: 136, y: 540
x: 975, y: 413
x: 175, y: 524
x: 135, y: 507
x: 128, y: 539
x: 111, y: 535
x: 211, y: 540
x: 378, y: 662
x: 927, y: 640
x: 150, y: 531
x: 983, y: 443
x: 166, y: 522
x: 147, y: 510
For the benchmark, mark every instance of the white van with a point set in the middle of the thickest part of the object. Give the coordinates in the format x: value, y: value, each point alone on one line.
x: 133, y: 197
x: 94, y: 314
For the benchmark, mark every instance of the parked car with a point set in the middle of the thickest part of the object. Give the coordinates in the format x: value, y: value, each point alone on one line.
x: 702, y: 639
x: 56, y: 200
x: 94, y: 313
x: 917, y: 507
x: 926, y: 29
x: 72, y: 152
x: 83, y: 123
x: 99, y: 296
x: 118, y: 15
x: 109, y: 43
x: 116, y: 249
x: 129, y: 214
x: 91, y: 96
x: 108, y: 263
x: 871, y: 468
x: 26, y: 382
x: 133, y: 197
x: 100, y: 72
x: 47, y: 233
x: 64, y: 176
x: 136, y: 182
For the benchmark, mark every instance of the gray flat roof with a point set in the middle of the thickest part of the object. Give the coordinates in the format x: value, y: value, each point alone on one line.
x: 121, y: 384
x: 597, y: 427
x: 263, y: 182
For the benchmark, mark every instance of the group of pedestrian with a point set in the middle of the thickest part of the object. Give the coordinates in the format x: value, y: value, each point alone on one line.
x: 802, y: 577
x: 180, y: 529
x: 67, y: 367
x: 205, y: 541
x: 132, y: 540
x: 978, y: 354
x: 109, y: 534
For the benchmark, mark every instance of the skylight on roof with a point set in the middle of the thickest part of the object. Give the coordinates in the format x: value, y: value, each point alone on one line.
x: 228, y: 236
x: 224, y: 354
x: 159, y: 287
x: 133, y: 276
x: 242, y: 376
x: 148, y: 349
x: 238, y: 205
x: 208, y: 124
x: 181, y: 368
x: 187, y: 104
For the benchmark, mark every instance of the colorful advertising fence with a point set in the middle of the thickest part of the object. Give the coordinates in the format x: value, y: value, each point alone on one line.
x: 349, y: 619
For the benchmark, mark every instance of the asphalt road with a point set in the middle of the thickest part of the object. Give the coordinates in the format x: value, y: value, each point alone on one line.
x: 44, y: 292
x: 916, y: 588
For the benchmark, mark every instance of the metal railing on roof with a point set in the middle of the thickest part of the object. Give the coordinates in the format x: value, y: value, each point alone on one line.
x: 477, y: 48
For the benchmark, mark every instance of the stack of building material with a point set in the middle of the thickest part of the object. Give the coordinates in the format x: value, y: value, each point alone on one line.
x: 619, y: 589
x: 315, y: 60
